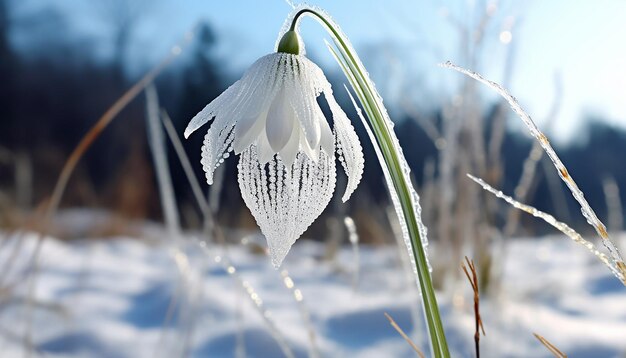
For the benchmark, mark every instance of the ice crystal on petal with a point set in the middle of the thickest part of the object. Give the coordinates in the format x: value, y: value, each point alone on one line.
x: 285, y: 200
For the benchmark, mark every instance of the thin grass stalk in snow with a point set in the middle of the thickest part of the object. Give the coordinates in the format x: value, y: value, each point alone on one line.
x: 189, y: 276
x: 551, y: 347
x: 586, y: 210
x: 78, y: 152
x: 223, y: 260
x: 400, y: 230
x: 404, y: 335
x: 407, y: 269
x: 571, y: 233
x: 304, y: 312
x: 207, y: 213
x: 161, y: 165
x: 226, y: 264
x: 529, y: 168
x: 353, y: 236
x: 395, y: 167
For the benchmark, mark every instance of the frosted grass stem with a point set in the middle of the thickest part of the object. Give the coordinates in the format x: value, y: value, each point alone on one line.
x: 562, y: 227
x: 353, y: 236
x: 586, y: 209
x: 393, y: 162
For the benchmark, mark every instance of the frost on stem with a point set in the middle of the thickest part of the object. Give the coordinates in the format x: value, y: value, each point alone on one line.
x: 394, y: 194
x: 587, y: 211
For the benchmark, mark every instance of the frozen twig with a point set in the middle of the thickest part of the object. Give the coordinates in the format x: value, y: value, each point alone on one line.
x: 571, y: 233
x: 586, y: 210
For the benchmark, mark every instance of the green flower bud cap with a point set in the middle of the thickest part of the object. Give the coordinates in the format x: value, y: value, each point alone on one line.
x: 290, y: 43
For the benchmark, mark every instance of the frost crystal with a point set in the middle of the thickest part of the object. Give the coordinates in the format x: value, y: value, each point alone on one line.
x: 286, y: 169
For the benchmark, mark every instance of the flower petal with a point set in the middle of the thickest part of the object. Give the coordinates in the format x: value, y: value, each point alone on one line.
x: 311, y: 152
x: 244, y: 98
x: 265, y: 151
x: 348, y: 147
x: 285, y: 200
x: 247, y: 130
x: 253, y: 120
x: 327, y: 140
x: 210, y: 110
x: 290, y: 150
x: 304, y: 100
x: 280, y: 121
x: 216, y: 147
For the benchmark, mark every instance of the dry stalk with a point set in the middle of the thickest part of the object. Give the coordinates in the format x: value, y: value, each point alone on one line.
x: 406, y: 338
x: 554, y: 350
x: 473, y: 280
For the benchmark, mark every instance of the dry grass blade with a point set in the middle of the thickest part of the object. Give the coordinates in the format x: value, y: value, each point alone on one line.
x: 554, y: 350
x: 473, y: 280
x: 406, y: 338
x: 587, y: 211
x: 571, y: 233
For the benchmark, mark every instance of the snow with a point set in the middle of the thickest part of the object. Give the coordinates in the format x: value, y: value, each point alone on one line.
x: 110, y: 298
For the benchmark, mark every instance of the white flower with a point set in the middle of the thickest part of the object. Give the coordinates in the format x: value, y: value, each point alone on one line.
x: 271, y: 118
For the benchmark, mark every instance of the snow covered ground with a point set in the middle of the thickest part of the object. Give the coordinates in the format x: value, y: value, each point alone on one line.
x: 113, y: 298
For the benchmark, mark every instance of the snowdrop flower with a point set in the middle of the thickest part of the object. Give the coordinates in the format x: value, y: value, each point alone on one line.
x: 272, y: 120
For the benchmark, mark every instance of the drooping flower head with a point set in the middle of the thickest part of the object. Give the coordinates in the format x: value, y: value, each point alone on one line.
x: 272, y: 120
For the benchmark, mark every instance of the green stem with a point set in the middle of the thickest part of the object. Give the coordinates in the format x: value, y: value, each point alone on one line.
x: 376, y: 113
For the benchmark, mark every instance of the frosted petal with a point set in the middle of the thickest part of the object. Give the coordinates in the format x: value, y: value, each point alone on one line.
x: 311, y: 152
x: 289, y: 152
x: 303, y: 100
x: 211, y: 109
x: 280, y: 121
x: 285, y: 200
x: 265, y: 151
x: 348, y: 147
x: 244, y: 98
x: 216, y: 147
x: 247, y: 130
x: 327, y: 140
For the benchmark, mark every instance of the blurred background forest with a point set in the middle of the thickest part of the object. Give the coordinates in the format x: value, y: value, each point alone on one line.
x: 56, y: 83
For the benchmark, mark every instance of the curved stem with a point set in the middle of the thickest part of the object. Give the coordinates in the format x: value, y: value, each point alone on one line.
x: 394, y: 162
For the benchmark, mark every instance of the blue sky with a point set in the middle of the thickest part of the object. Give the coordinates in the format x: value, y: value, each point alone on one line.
x: 401, y: 42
